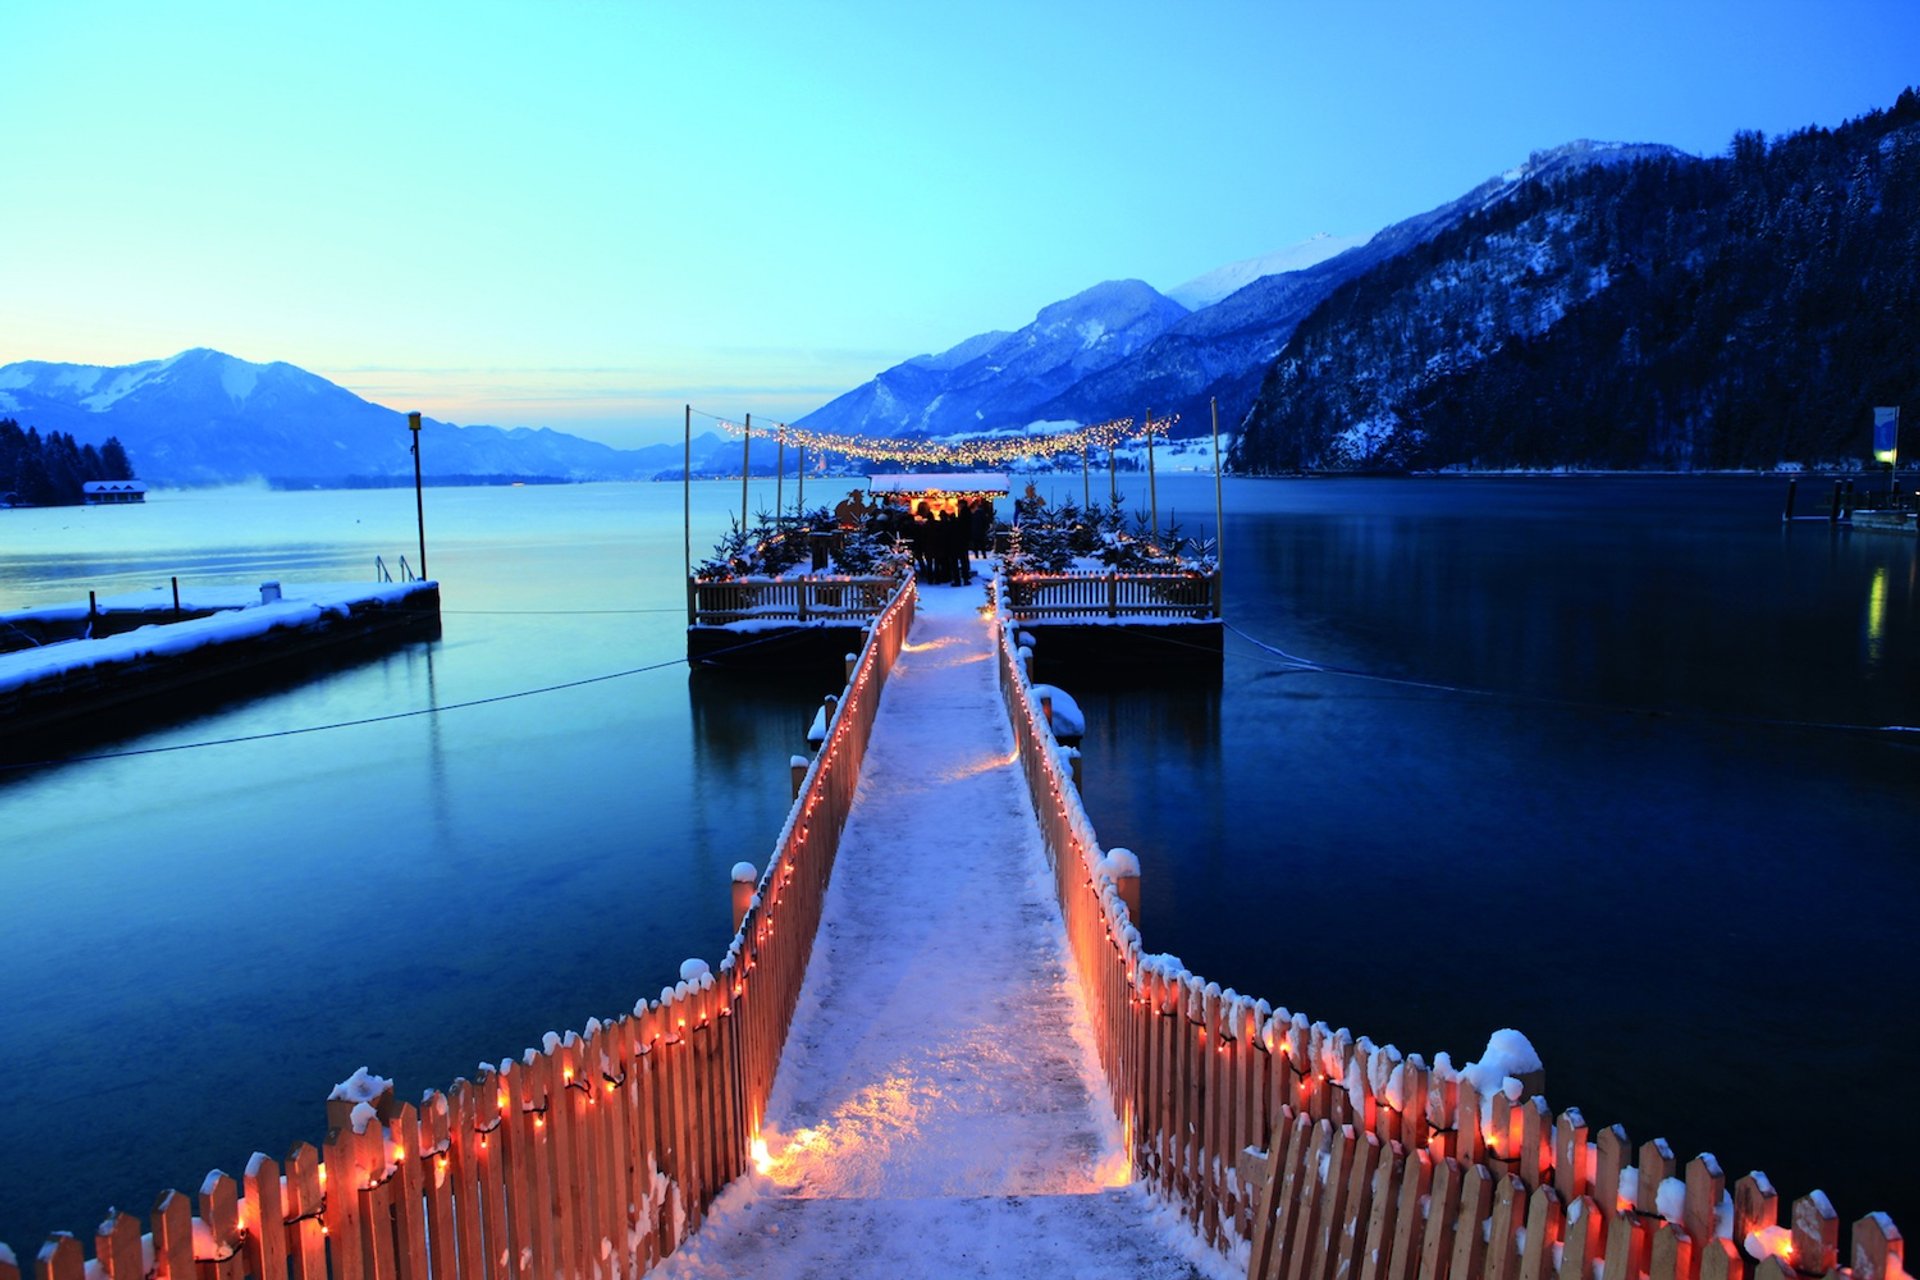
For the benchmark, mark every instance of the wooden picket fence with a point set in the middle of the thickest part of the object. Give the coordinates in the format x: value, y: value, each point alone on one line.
x: 590, y: 1157
x: 1036, y: 596
x: 1330, y: 1158
x: 807, y: 599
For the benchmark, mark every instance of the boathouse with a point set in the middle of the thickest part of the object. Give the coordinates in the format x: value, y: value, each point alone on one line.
x: 97, y: 493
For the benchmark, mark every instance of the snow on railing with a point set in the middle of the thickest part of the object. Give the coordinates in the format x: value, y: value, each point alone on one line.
x: 1034, y: 596
x: 591, y: 1156
x: 805, y: 599
x: 1317, y: 1156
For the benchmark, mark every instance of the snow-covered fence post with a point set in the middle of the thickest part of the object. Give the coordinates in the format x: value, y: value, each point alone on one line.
x: 745, y: 877
x: 851, y: 660
x: 797, y: 766
x: 1046, y: 706
x: 1123, y: 868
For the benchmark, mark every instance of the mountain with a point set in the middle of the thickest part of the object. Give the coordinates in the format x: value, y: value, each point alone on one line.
x: 1121, y: 348
x: 1648, y: 311
x: 1205, y: 290
x: 1222, y: 351
x: 998, y: 379
x: 204, y: 417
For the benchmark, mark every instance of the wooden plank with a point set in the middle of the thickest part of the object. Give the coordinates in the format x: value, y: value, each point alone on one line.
x: 1619, y: 1257
x: 265, y: 1218
x: 172, y: 1220
x: 1416, y: 1087
x: 9, y: 1269
x: 1612, y: 1152
x: 306, y: 1209
x: 1755, y: 1205
x: 1468, y: 1141
x: 1370, y: 1259
x: 436, y: 1154
x: 220, y: 1211
x: 517, y: 1159
x: 1656, y: 1165
x: 1469, y: 1259
x: 1719, y: 1260
x: 1671, y: 1255
x: 1443, y: 1211
x: 1572, y: 1173
x: 117, y: 1246
x: 1536, y: 1141
x: 60, y: 1258
x: 1700, y: 1214
x: 1545, y: 1227
x: 1357, y: 1216
x: 558, y: 1068
x: 1503, y: 1236
x: 1325, y: 1244
x: 409, y: 1195
x: 1416, y: 1186
x: 1582, y: 1241
x: 462, y: 1185
x: 1816, y: 1235
x: 1301, y: 1245
x: 1295, y: 1137
x: 1878, y: 1251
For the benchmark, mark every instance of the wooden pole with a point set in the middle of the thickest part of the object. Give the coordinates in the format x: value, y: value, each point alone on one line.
x: 1086, y: 484
x: 800, y: 481
x: 746, y: 453
x: 686, y: 516
x: 779, y: 469
x: 1219, y: 520
x: 1113, y: 472
x: 1153, y: 486
x: 419, y: 506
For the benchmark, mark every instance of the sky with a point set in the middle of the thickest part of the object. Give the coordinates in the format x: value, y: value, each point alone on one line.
x: 584, y: 214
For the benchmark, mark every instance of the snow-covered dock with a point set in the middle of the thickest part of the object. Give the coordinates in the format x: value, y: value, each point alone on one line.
x: 939, y: 1110
x: 66, y: 660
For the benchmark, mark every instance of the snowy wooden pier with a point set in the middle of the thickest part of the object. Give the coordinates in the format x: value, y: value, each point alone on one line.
x: 937, y: 1046
x: 65, y: 661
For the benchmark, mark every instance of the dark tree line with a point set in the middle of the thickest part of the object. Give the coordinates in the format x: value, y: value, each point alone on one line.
x: 47, y: 471
x: 1672, y: 313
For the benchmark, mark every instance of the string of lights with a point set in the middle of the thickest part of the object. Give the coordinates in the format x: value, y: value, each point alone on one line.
x: 976, y: 451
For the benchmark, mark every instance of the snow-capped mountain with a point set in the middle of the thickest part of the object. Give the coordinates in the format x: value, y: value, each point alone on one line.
x: 1205, y: 290
x: 998, y: 379
x: 1671, y: 313
x: 204, y: 417
x: 1121, y: 348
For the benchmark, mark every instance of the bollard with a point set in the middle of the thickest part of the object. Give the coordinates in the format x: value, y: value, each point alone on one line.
x: 745, y: 877
x: 93, y: 605
x: 852, y: 661
x: 1124, y: 869
x: 176, y: 595
x: 796, y: 765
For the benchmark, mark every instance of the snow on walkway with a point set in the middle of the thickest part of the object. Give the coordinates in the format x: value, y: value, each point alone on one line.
x: 937, y: 1111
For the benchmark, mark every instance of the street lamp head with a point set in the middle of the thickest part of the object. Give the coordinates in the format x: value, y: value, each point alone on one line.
x: 413, y: 422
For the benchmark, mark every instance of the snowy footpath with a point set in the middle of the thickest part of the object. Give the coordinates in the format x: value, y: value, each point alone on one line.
x: 939, y: 1110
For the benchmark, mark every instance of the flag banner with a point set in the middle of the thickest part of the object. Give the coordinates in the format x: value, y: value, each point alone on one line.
x: 1886, y: 433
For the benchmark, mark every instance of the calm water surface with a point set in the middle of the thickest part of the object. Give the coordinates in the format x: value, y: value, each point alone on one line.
x: 1642, y: 851
x: 1697, y: 912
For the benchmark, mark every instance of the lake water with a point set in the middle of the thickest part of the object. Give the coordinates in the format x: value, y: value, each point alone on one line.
x: 1637, y: 850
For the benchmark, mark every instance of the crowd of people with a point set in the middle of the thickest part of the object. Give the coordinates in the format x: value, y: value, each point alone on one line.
x: 944, y: 537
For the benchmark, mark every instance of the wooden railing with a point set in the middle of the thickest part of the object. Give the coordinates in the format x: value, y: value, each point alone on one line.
x: 1336, y: 1159
x: 1039, y: 596
x: 592, y: 1156
x: 809, y: 599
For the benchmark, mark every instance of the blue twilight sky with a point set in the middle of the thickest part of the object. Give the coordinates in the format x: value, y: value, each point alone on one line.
x: 582, y: 213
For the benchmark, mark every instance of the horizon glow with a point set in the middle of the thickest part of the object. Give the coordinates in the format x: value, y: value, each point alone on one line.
x: 585, y: 215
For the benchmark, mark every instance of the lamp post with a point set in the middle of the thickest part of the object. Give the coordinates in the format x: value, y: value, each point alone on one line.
x: 419, y: 503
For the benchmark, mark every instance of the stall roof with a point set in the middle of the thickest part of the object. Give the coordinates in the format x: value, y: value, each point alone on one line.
x: 941, y: 482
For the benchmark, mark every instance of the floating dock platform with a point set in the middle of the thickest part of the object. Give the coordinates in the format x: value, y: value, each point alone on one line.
x: 64, y: 662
